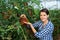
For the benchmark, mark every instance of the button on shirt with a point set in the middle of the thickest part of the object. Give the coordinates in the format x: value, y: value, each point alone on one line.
x: 44, y: 33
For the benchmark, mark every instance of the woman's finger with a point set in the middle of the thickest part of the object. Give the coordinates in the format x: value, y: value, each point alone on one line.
x: 26, y: 23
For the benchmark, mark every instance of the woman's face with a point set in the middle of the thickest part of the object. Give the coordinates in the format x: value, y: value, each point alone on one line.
x: 43, y: 16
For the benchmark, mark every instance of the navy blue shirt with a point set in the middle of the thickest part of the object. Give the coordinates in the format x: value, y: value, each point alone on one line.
x: 44, y: 32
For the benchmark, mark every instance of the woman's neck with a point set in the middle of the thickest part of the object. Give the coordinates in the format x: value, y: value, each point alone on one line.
x: 45, y: 22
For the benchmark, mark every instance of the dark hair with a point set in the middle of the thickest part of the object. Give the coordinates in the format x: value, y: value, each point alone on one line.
x: 45, y: 10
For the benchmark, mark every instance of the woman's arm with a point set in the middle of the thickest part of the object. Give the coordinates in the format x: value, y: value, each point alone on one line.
x: 35, y: 25
x: 31, y: 26
x: 33, y: 29
x: 47, y: 30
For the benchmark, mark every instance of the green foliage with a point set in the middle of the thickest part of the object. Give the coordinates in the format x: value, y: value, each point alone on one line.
x: 36, y: 1
x: 54, y: 16
x: 10, y: 11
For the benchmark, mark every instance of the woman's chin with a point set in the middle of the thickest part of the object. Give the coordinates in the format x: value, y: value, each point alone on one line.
x: 43, y: 20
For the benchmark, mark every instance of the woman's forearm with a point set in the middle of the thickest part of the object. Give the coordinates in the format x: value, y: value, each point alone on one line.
x: 33, y: 29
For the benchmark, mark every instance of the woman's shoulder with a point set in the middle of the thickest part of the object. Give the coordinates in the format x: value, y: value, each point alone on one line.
x: 51, y: 24
x: 39, y: 21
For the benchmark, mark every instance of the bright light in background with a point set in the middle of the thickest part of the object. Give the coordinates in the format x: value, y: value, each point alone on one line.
x: 55, y: 4
x: 50, y: 4
x: 33, y: 4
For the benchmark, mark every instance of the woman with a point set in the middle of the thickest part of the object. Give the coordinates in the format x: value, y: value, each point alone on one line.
x: 45, y: 26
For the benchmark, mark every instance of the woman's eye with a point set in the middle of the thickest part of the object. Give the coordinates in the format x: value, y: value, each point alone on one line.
x: 44, y: 15
x: 40, y: 15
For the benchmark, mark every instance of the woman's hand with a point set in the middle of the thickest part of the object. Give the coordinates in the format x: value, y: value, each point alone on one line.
x: 33, y: 29
x: 28, y: 23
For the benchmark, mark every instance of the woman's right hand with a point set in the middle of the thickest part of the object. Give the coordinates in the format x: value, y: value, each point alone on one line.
x: 28, y: 23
